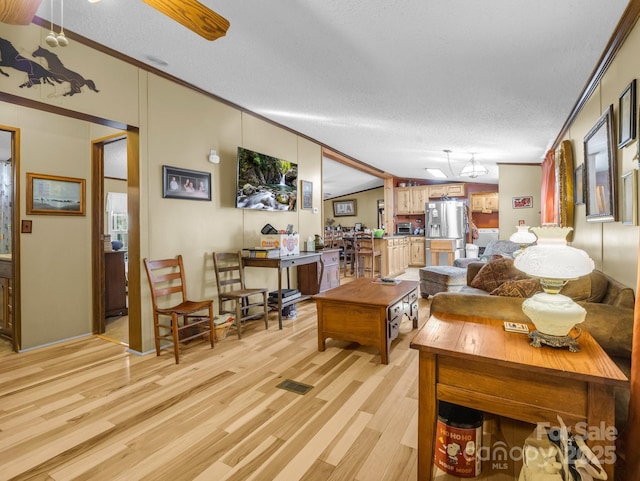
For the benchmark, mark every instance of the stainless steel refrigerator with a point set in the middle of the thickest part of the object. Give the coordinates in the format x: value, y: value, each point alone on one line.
x: 446, y: 220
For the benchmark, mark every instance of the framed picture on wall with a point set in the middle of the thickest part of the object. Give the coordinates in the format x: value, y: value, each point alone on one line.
x: 55, y: 195
x: 307, y: 194
x: 525, y: 202
x: 578, y: 185
x: 180, y: 183
x: 629, y: 196
x: 627, y: 115
x: 343, y: 208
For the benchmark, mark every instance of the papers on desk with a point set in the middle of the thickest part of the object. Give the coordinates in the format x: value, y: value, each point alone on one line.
x: 387, y: 281
x: 515, y: 327
x: 263, y: 253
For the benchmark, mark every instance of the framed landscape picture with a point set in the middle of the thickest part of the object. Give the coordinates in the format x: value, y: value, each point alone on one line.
x: 55, y: 195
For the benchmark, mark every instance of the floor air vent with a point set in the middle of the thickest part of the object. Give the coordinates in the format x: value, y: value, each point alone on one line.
x: 294, y: 386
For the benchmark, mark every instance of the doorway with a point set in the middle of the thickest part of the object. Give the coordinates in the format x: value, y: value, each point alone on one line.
x: 8, y: 237
x: 111, y: 154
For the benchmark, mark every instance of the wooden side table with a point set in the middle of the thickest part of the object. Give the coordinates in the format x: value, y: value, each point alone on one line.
x: 474, y: 362
x: 438, y: 246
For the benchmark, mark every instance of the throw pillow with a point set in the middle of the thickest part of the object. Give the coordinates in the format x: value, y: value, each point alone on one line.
x: 496, y: 273
x: 519, y: 288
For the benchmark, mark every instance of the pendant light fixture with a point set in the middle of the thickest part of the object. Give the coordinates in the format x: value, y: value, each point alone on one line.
x: 473, y: 168
x: 59, y: 40
x: 63, y: 41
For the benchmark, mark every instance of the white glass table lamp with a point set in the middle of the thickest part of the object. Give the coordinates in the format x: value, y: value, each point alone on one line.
x: 523, y: 237
x: 554, y: 263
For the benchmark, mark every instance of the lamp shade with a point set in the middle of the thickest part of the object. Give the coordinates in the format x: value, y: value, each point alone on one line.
x: 523, y: 236
x: 552, y: 258
x: 473, y: 169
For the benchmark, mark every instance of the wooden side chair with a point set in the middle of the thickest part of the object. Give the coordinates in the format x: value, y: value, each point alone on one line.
x: 349, y: 255
x: 167, y: 284
x: 365, y: 249
x: 231, y: 288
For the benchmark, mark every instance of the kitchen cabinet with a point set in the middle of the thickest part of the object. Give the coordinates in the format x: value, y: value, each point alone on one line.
x: 6, y: 324
x: 419, y: 196
x: 403, y: 200
x: 417, y: 252
x: 411, y: 200
x: 405, y: 247
x: 484, y: 202
x: 450, y: 190
x: 308, y: 273
x: 393, y: 254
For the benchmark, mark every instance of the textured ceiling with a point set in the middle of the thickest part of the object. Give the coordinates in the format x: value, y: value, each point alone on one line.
x: 391, y: 83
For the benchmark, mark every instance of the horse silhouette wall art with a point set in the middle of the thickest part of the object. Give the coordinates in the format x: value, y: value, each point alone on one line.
x: 76, y: 81
x: 36, y: 73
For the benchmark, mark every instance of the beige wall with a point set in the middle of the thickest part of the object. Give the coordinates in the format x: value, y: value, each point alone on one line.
x: 178, y: 127
x: 367, y: 209
x: 612, y: 245
x: 518, y: 181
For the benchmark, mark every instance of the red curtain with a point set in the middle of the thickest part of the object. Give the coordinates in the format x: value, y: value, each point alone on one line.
x: 549, y: 214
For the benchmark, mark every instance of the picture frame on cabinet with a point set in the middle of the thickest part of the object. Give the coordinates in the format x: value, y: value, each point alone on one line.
x: 629, y: 195
x: 55, y: 195
x: 627, y: 115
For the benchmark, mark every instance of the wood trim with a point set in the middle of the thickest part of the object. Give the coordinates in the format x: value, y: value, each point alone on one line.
x: 97, y: 228
x: 15, y: 236
x: 356, y: 164
x: 134, y: 266
x: 618, y: 37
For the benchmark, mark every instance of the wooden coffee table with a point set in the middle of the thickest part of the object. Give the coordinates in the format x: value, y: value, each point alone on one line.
x: 474, y: 362
x: 366, y: 312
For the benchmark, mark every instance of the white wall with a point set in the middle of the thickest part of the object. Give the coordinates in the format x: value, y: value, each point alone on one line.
x: 518, y: 181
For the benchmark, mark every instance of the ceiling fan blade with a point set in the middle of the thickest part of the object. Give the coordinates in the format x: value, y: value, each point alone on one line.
x: 193, y: 15
x: 18, y: 12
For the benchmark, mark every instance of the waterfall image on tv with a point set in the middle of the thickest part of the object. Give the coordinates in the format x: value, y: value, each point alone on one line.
x: 265, y: 182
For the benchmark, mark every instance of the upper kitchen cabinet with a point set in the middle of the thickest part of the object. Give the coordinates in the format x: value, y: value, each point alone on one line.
x: 484, y: 202
x: 411, y: 200
x: 449, y: 190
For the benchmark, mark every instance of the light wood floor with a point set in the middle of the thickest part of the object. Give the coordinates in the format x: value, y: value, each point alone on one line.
x: 87, y: 409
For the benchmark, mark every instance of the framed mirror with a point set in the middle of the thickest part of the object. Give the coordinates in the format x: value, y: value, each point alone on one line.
x: 600, y: 171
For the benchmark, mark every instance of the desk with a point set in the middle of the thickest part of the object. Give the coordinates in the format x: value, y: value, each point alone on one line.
x: 366, y: 312
x: 285, y: 262
x: 473, y: 362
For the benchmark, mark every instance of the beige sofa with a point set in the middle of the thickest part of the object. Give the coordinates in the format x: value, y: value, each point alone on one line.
x: 609, y: 305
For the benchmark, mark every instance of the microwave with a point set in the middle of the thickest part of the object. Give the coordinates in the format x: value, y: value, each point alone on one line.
x: 404, y: 228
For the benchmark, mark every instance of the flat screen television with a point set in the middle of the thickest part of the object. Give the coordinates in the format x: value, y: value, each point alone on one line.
x: 265, y: 182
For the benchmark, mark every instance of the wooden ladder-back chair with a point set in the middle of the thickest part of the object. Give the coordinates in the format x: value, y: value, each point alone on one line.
x: 349, y: 255
x: 365, y: 249
x: 167, y: 281
x: 231, y: 288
